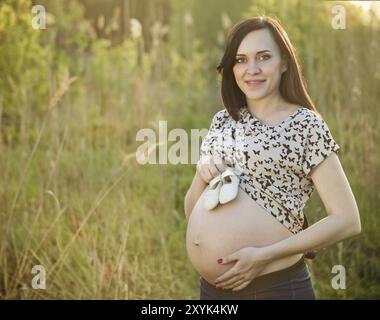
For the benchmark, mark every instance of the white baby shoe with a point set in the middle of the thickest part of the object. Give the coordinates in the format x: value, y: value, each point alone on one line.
x: 229, y: 189
x: 212, y: 194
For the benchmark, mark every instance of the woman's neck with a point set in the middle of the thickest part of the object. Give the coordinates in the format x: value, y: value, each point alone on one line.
x: 268, y: 106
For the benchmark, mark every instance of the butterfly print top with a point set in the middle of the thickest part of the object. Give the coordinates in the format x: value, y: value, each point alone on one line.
x: 274, y: 161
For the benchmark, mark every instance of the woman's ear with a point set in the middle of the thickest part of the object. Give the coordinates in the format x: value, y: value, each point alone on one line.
x: 284, y: 67
x: 284, y: 63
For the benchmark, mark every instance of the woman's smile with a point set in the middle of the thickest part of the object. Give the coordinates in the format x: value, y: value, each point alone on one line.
x: 254, y: 83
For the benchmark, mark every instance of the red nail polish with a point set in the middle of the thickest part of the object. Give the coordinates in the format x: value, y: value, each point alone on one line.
x: 220, y: 260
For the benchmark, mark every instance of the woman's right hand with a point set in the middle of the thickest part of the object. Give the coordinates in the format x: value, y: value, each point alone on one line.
x: 209, y: 167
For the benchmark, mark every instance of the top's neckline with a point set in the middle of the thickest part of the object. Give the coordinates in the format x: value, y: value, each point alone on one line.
x: 246, y: 112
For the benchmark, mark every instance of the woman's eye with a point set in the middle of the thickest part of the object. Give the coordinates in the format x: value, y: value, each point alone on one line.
x: 264, y: 57
x: 238, y: 60
x: 261, y: 58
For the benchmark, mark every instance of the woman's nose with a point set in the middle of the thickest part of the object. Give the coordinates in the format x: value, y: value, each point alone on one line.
x: 254, y: 68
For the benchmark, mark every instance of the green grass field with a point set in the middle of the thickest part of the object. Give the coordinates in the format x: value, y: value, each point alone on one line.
x: 74, y: 199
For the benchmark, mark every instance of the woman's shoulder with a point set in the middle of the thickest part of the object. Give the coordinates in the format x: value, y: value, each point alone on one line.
x: 313, y: 116
x: 310, y: 115
x: 220, y: 116
x: 314, y: 123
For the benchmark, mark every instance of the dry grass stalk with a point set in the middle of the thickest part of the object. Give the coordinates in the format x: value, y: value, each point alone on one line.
x: 65, y: 85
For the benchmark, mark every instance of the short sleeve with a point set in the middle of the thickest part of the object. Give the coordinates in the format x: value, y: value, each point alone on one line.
x: 320, y: 144
x: 215, y: 127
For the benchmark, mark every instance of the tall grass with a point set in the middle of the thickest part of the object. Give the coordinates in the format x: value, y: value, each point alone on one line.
x: 73, y: 197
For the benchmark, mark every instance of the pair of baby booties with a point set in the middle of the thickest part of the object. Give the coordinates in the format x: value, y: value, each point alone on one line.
x: 222, y: 189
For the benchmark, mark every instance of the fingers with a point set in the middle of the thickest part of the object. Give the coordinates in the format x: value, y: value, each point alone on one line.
x: 210, y: 167
x: 219, y: 165
x: 228, y: 276
x: 202, y: 169
x: 229, y: 283
x: 236, y: 283
x: 214, y: 170
x: 242, y: 286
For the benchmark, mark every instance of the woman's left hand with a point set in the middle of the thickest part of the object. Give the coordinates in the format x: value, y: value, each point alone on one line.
x: 249, y: 264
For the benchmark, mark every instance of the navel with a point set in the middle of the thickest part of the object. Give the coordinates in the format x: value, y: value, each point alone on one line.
x: 197, y: 242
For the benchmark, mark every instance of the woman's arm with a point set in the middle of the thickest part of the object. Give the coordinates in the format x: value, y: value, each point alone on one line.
x: 342, y: 222
x: 197, y: 187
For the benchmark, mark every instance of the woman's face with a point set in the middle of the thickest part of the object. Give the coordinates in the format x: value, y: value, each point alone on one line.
x: 258, y: 58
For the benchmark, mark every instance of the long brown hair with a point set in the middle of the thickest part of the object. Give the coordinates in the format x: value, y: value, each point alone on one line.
x: 292, y: 85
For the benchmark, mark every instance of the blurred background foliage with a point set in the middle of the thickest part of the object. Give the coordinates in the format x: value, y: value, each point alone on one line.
x: 73, y: 96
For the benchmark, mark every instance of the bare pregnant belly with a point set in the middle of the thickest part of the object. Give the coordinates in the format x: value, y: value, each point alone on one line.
x: 227, y: 228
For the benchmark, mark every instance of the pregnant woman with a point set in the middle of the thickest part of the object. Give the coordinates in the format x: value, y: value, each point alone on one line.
x: 272, y: 136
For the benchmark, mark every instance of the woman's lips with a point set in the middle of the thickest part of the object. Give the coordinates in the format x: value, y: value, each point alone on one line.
x: 254, y: 83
